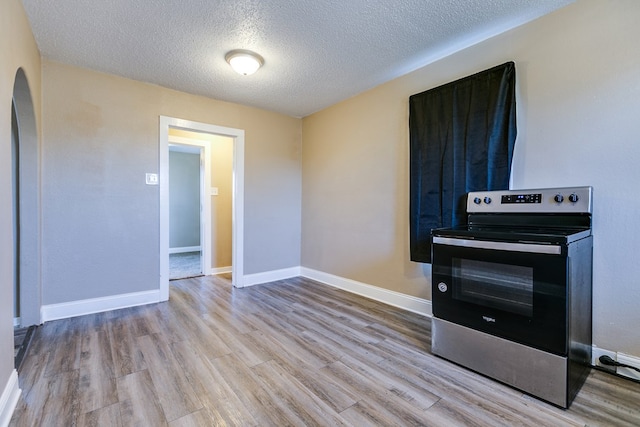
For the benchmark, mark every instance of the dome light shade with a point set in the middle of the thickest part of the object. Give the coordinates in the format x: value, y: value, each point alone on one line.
x: 243, y: 61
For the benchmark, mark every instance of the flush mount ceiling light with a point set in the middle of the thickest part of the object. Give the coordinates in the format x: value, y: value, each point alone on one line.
x: 243, y: 61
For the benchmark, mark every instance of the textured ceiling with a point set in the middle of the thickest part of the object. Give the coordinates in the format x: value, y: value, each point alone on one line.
x: 316, y: 52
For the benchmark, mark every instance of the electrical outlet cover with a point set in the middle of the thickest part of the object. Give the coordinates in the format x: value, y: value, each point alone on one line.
x: 596, y: 352
x: 151, y: 179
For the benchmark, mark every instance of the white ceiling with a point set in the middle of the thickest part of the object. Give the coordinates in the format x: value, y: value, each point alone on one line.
x: 317, y: 52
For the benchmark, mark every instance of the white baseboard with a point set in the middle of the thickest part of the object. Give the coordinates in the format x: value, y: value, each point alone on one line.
x: 185, y: 249
x: 9, y: 399
x: 270, y: 276
x: 221, y: 270
x: 97, y: 305
x: 396, y: 299
x: 626, y: 359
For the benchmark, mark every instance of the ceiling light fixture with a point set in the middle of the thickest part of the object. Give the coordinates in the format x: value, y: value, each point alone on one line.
x: 243, y: 61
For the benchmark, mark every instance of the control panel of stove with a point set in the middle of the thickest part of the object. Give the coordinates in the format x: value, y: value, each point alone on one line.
x: 547, y: 200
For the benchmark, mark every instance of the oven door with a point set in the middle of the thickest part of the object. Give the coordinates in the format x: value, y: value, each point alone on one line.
x: 517, y: 291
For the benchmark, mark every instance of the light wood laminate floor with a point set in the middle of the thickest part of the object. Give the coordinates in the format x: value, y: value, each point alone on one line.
x: 288, y: 353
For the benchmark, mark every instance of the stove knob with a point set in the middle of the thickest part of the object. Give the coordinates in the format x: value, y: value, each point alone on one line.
x: 487, y: 200
x: 442, y: 287
x: 477, y: 200
x: 573, y: 198
x: 559, y: 198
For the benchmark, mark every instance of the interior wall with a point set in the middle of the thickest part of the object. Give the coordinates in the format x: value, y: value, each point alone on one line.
x: 578, y: 101
x: 184, y: 199
x: 18, y: 50
x: 221, y: 203
x: 100, y: 137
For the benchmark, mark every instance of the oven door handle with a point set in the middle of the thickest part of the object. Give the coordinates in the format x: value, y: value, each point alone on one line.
x: 500, y: 246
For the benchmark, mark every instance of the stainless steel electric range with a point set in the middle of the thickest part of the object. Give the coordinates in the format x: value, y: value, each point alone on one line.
x: 511, y: 290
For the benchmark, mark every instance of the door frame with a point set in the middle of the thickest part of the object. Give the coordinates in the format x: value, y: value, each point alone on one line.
x: 237, y: 208
x: 204, y: 153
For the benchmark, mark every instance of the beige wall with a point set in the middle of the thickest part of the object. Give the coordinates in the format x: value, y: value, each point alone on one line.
x: 17, y: 50
x: 100, y: 137
x: 578, y: 102
x: 221, y: 221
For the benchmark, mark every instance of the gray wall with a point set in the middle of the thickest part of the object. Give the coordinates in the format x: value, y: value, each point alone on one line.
x: 101, y: 222
x: 184, y: 199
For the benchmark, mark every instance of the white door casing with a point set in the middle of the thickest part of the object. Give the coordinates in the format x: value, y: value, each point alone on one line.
x: 237, y: 205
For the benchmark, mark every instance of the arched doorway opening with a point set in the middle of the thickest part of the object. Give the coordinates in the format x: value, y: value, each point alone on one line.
x: 26, y: 205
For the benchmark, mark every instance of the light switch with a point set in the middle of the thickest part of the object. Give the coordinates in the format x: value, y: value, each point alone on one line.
x: 152, y: 179
x: 214, y: 191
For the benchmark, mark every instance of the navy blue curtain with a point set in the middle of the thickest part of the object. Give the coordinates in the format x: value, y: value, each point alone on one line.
x: 462, y: 136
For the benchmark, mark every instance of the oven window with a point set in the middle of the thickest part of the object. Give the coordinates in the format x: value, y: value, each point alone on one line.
x: 501, y: 286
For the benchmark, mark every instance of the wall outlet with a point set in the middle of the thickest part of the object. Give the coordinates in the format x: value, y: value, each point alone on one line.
x: 625, y: 359
x: 595, y: 356
x: 152, y: 179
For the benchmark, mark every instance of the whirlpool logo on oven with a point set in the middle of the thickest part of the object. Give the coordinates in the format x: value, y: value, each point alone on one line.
x: 488, y: 319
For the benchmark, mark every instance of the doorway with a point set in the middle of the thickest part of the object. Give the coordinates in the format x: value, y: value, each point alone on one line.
x: 237, y: 195
x: 26, y: 205
x: 200, y: 200
x: 26, y: 215
x: 188, y: 222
